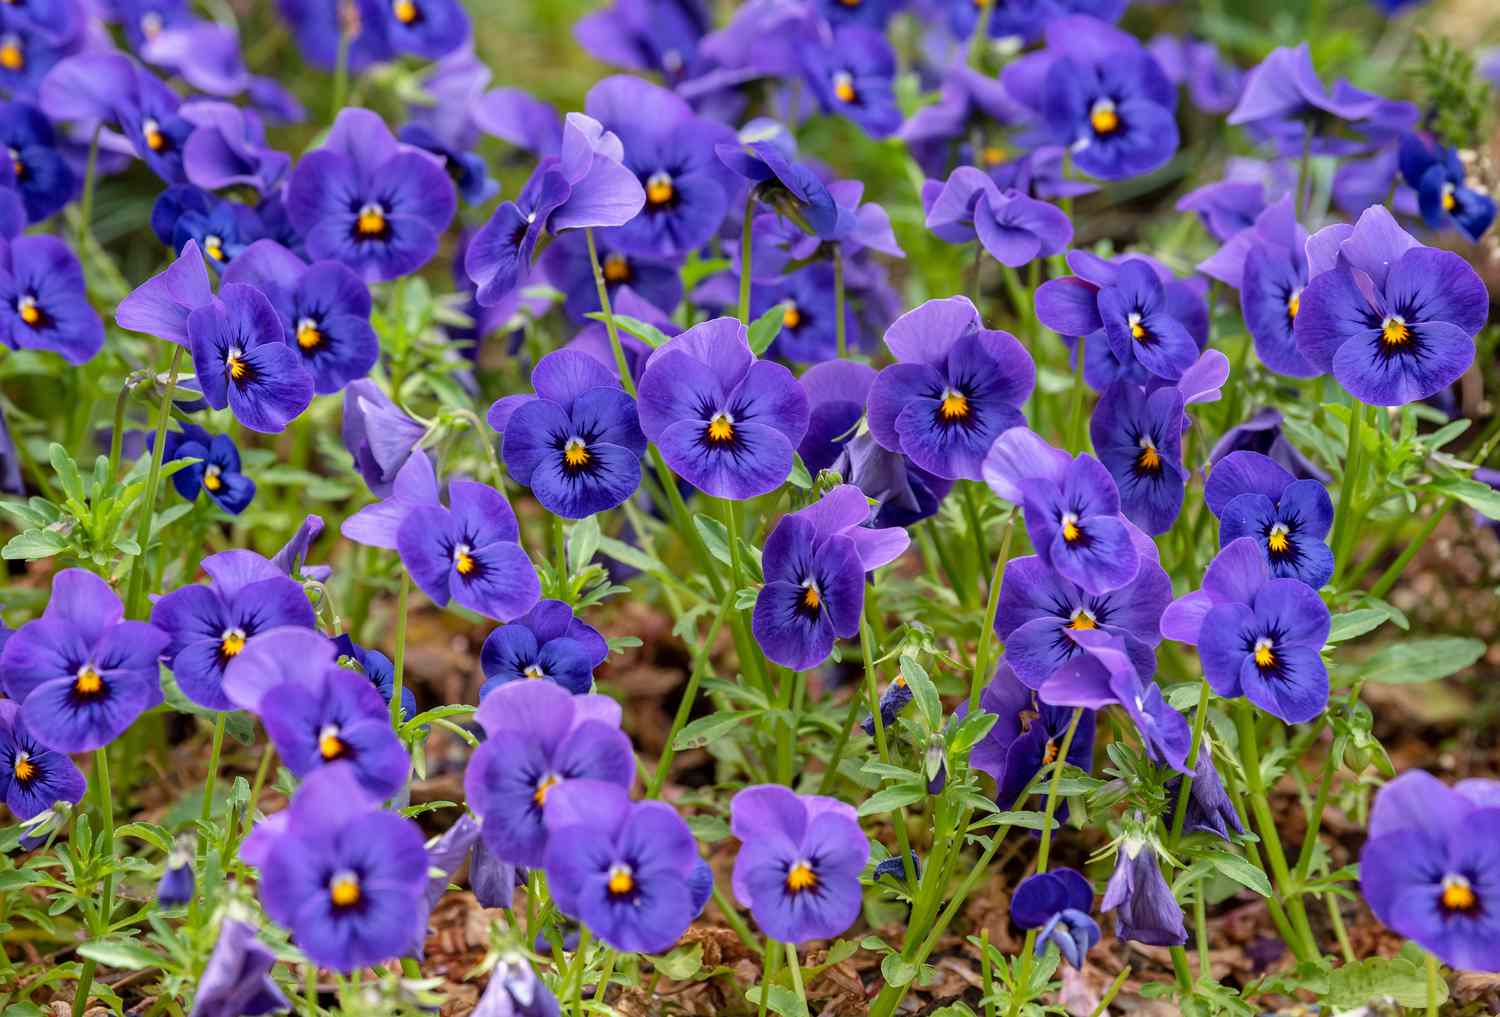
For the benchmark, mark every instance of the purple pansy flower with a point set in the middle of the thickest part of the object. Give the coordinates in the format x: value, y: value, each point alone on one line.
x: 1026, y: 738
x: 81, y: 672
x: 955, y: 388
x: 1289, y: 519
x: 566, y: 266
x: 1392, y: 320
x: 646, y: 35
x: 1438, y: 176
x: 1139, y: 439
x: 378, y: 434
x: 1014, y: 229
x: 577, y: 444
x: 539, y: 736
x: 809, y: 325
x: 376, y: 667
x: 1213, y: 83
x: 514, y: 990
x: 228, y: 148
x: 161, y: 305
x: 324, y: 310
x: 548, y: 642
x: 39, y: 171
x: 468, y: 170
x: 364, y: 199
x: 218, y: 474
x: 815, y: 562
x: 237, y: 979
x: 43, y: 300
x: 725, y: 421
x: 1261, y: 432
x: 320, y: 28
x: 32, y: 776
x: 185, y: 213
x: 210, y: 625
x: 621, y: 867
x: 346, y: 877
x: 426, y: 28
x: 378, y: 525
x: 1225, y: 207
x: 791, y: 188
x: 242, y: 360
x: 1144, y: 907
x: 519, y: 118
x: 1209, y: 809
x: 1430, y: 868
x: 1071, y: 507
x: 469, y: 552
x: 968, y: 101
x: 1058, y: 903
x: 852, y: 73
x: 799, y: 863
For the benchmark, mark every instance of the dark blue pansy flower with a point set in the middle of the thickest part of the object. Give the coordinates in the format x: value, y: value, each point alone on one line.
x: 809, y: 322
x: 786, y: 185
x: 324, y: 310
x: 1139, y: 439
x: 27, y: 53
x: 1071, y: 506
x: 320, y: 27
x: 377, y: 667
x: 1209, y: 809
x: 209, y: 625
x: 874, y: 13
x: 59, y: 20
x: 1392, y: 320
x: 470, y: 174
x: 175, y: 888
x: 1026, y: 738
x: 426, y: 28
x: 577, y: 444
x: 32, y: 776
x: 547, y: 643
x: 368, y: 201
x: 566, y: 266
x: 646, y: 35
x: 852, y: 73
x: 670, y: 149
x: 346, y: 876
x: 228, y: 149
x: 1254, y: 496
x: 1262, y: 432
x: 42, y: 175
x: 237, y: 979
x: 539, y: 736
x: 1100, y: 94
x: 222, y: 229
x: 1144, y: 907
x: 815, y: 562
x: 622, y: 868
x: 893, y: 700
x: 242, y: 360
x: 43, y: 300
x: 836, y: 393
x: 1438, y: 176
x: 1058, y: 903
x: 1013, y: 228
x: 217, y: 474
x: 955, y: 388
x: 81, y: 673
x: 515, y: 990
x: 469, y: 552
x: 895, y: 868
x: 149, y: 116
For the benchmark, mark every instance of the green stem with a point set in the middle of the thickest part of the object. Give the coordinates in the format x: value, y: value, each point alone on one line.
x: 1315, y: 815
x: 873, y: 695
x: 621, y: 364
x: 1342, y: 519
x: 839, y: 325
x: 986, y: 975
x: 310, y: 987
x: 1200, y: 930
x: 1391, y: 575
x: 560, y: 549
x: 106, y: 796
x: 1111, y: 992
x: 602, y: 988
x: 767, y: 957
x: 1179, y: 815
x: 795, y: 967
x: 971, y: 513
x: 732, y: 916
x: 987, y: 634
x: 86, y: 203
x: 135, y: 586
x: 262, y: 771
x: 340, y: 75
x: 1337, y: 921
x: 745, y: 263
x: 1078, y: 429
x: 85, y: 982
x: 981, y: 35
x: 1052, y: 795
x: 575, y: 976
x: 689, y: 697
x: 1181, y: 970
x: 117, y: 431
x: 206, y: 812
x: 398, y: 681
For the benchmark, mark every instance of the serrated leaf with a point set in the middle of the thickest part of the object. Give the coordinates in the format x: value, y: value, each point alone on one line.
x: 1379, y: 978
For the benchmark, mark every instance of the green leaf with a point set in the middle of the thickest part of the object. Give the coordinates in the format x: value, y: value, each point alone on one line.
x: 1378, y: 978
x: 125, y: 954
x: 708, y: 829
x: 67, y: 472
x: 1240, y: 870
x: 972, y: 731
x: 715, y: 537
x: 1420, y: 660
x: 892, y: 798
x: 898, y: 971
x: 925, y: 693
x: 799, y: 478
x: 765, y: 329
x: 34, y: 544
x: 583, y: 541
x: 1351, y: 624
x: 682, y: 963
x: 642, y: 330
x: 1480, y: 497
x: 779, y: 999
x: 627, y: 555
x: 706, y: 729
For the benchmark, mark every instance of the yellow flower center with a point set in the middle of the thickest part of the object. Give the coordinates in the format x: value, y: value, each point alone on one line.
x: 405, y: 11
x: 88, y: 682
x: 801, y: 877
x: 232, y: 641
x: 843, y: 87
x: 1103, y: 118
x: 11, y: 56
x: 621, y: 879
x: 151, y: 132
x: 1393, y: 331
x: 213, y: 246
x: 993, y: 155
x: 308, y: 336
x: 16, y: 163
x: 720, y: 429
x: 1149, y: 460
x: 1458, y: 895
x: 28, y: 310
x: 616, y: 268
x: 546, y: 784
x: 1265, y: 655
x: 575, y: 453
x: 1277, y: 541
x: 1449, y: 201
x: 371, y: 221
x: 343, y: 890
x: 812, y: 599
x: 235, y: 361
x: 24, y: 768
x: 659, y: 189
x: 1083, y: 620
x: 954, y: 405
x: 1294, y: 304
x: 534, y: 672
x: 211, y: 477
x: 1071, y: 531
x: 1137, y: 330
x: 330, y: 745
x: 900, y: 681
x: 463, y: 559
x: 791, y: 317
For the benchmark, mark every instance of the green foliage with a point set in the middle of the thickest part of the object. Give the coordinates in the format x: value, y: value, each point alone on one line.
x: 1455, y: 96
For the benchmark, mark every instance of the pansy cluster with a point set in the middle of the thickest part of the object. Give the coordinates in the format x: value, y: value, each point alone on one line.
x: 714, y: 355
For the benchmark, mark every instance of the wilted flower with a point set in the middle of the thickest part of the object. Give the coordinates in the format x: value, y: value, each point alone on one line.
x: 177, y: 881
x: 1254, y: 496
x: 1144, y: 907
x: 549, y: 643
x: 1209, y: 809
x: 1058, y: 903
x: 893, y: 700
x: 237, y: 980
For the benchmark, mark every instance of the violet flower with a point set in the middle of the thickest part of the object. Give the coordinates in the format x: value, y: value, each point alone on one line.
x: 1438, y: 176
x: 378, y: 434
x: 565, y: 265
x: 227, y: 148
x: 1209, y: 809
x: 319, y: 27
x: 1144, y: 907
x: 786, y: 185
x: 622, y: 868
x: 33, y: 777
x: 514, y: 990
x: 799, y: 863
x: 237, y: 979
x: 547, y: 643
x: 377, y: 667
x: 1058, y: 903
x: 81, y: 673
x: 815, y: 562
x: 43, y: 300
x: 1026, y: 738
x: 954, y: 389
x: 1013, y: 228
x: 379, y: 525
x: 538, y: 737
x: 968, y: 101
x: 809, y: 324
x: 646, y: 35
x: 1139, y: 439
x: 364, y: 199
x: 1289, y: 519
x: 243, y: 362
x: 426, y: 28
x: 185, y: 213
x: 852, y: 73
x: 218, y: 474
x: 1261, y: 432
x: 1392, y: 320
x: 38, y: 169
x: 161, y: 305
x: 725, y: 421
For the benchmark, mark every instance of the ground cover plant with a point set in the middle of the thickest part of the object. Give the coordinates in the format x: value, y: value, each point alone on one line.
x: 794, y: 506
